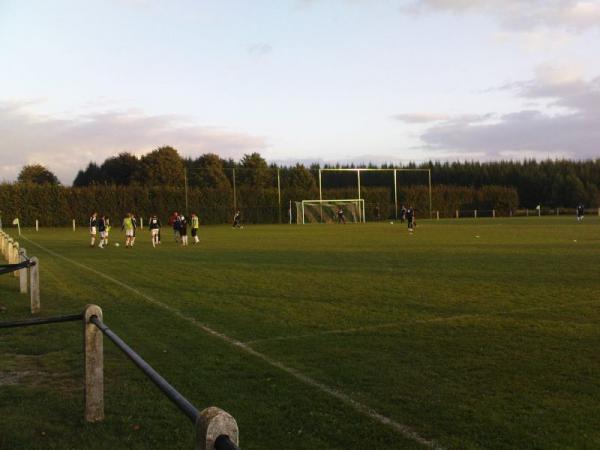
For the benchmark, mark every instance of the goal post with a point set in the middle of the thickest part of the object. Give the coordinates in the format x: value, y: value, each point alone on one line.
x: 326, y: 211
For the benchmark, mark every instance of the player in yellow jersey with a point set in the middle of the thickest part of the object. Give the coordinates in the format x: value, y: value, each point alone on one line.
x: 129, y: 228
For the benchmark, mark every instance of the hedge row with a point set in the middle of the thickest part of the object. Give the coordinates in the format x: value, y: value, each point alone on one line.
x: 58, y: 205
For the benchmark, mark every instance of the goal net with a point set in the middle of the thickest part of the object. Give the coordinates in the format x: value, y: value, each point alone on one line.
x: 326, y: 211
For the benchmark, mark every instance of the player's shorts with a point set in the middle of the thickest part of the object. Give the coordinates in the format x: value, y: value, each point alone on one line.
x: 154, y: 232
x: 93, y: 231
x: 103, y: 234
x: 129, y: 233
x: 194, y: 232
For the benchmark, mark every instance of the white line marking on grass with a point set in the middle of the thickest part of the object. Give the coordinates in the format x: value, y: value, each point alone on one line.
x: 404, y: 430
x: 409, y: 322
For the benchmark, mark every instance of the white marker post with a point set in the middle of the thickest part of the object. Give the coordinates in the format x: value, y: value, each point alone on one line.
x: 73, y: 224
x: 16, y: 222
x: 37, y: 225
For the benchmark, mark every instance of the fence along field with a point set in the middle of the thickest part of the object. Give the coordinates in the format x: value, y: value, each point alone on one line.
x: 215, y: 428
x: 461, y: 339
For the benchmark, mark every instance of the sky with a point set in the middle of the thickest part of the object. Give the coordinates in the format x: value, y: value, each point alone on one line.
x: 298, y: 80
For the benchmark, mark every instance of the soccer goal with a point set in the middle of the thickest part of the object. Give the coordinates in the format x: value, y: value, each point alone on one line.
x: 326, y: 211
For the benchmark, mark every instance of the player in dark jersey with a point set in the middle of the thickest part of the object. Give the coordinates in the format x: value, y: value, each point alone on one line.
x: 102, y: 231
x: 340, y: 215
x: 237, y: 219
x: 154, y: 226
x: 402, y: 214
x: 410, y: 218
x: 580, y: 212
x: 183, y: 230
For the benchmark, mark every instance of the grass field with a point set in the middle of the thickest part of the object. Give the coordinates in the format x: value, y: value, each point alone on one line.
x: 468, y: 334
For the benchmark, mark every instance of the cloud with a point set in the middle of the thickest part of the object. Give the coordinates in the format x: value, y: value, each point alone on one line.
x: 66, y: 145
x: 572, y: 132
x: 574, y: 15
x: 420, y: 117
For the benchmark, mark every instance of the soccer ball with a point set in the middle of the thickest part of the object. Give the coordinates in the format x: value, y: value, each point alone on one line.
x: 116, y: 244
x: 391, y: 223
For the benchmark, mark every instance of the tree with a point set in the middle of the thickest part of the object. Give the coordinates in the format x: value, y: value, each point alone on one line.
x: 161, y: 167
x: 37, y: 174
x: 120, y: 169
x: 299, y: 177
x: 91, y: 175
x: 255, y: 171
x: 207, y: 172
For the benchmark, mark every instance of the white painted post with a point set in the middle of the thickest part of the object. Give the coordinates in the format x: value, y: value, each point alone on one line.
x: 475, y: 214
x: 211, y: 423
x: 37, y: 225
x: 23, y: 274
x: 94, y: 366
x: 457, y: 213
x: 141, y: 223
x: 540, y: 212
x: 437, y: 213
x: 73, y: 224
x: 34, y: 285
x: 493, y: 213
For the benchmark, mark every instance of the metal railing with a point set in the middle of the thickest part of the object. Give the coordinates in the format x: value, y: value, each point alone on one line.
x: 215, y: 428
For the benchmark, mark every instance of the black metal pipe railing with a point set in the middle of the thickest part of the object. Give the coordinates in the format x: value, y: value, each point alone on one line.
x: 41, y: 321
x: 7, y: 268
x: 224, y: 443
x: 172, y: 394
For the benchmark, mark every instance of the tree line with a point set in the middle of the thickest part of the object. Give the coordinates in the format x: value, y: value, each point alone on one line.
x: 157, y: 182
x: 552, y: 183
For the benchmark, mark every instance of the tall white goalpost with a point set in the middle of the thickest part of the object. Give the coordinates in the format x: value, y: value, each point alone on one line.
x: 395, y: 172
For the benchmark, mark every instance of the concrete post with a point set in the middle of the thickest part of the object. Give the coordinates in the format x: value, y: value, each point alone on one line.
x: 34, y: 285
x: 15, y: 258
x: 7, y: 252
x: 437, y: 214
x: 23, y: 274
x: 212, y: 423
x: 493, y: 213
x: 93, y: 346
x: 457, y: 213
x: 37, y: 225
x: 475, y: 214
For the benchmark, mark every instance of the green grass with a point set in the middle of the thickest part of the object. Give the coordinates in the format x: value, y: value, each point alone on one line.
x: 472, y: 342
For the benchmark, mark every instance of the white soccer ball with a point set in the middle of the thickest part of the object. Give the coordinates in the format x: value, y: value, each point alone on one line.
x: 391, y: 223
x: 117, y: 244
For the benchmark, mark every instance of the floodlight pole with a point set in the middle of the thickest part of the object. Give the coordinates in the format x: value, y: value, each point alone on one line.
x: 430, y: 203
x: 185, y: 183
x: 395, y: 194
x: 279, y: 193
x: 234, y: 194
